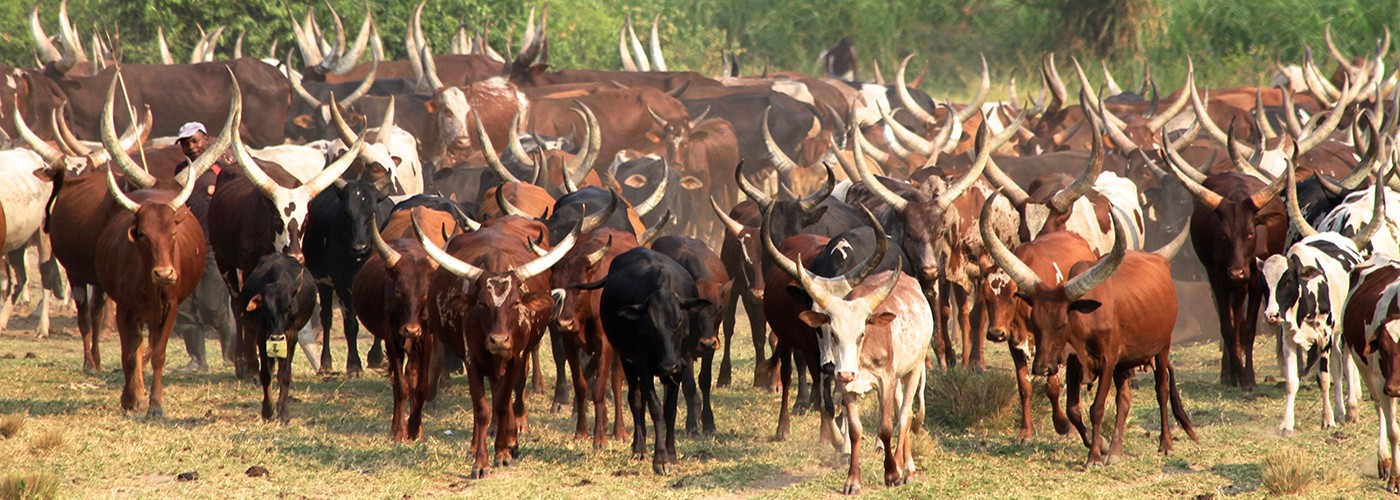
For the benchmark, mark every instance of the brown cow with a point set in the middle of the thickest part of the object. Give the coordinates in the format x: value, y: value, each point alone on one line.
x: 1116, y: 315
x: 491, y: 306
x: 1369, y: 326
x: 580, y: 326
x: 517, y: 198
x: 702, y: 160
x: 450, y: 138
x: 642, y: 119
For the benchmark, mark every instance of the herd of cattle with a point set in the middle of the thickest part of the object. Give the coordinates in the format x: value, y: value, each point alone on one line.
x: 461, y: 205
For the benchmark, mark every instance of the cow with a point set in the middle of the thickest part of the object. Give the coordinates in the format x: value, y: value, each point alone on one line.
x: 1369, y: 323
x: 276, y: 301
x: 1116, y: 314
x: 641, y: 119
x: 712, y: 283
x: 1304, y: 287
x: 490, y: 307
x: 450, y: 138
x: 742, y: 255
x: 389, y: 159
x: 579, y: 327
x: 390, y: 294
x: 702, y: 161
x: 1238, y: 222
x: 149, y: 258
x: 337, y: 242
x: 26, y: 187
x: 647, y: 304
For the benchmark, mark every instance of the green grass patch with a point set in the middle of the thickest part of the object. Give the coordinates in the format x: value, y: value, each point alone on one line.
x: 958, y: 399
x: 29, y: 486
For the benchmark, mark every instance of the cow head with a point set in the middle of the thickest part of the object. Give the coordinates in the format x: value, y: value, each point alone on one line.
x: 408, y: 271
x: 745, y: 239
x: 292, y: 204
x: 275, y: 306
x: 1053, y: 306
x: 452, y: 107
x: 1238, y: 216
x: 1005, y: 313
x: 387, y: 150
x: 360, y: 202
x: 582, y: 265
x: 156, y: 224
x: 499, y: 300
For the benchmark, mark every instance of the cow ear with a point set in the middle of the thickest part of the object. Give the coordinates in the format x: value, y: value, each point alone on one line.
x: 1085, y: 306
x: 799, y: 295
x: 694, y: 305
x: 253, y: 303
x: 814, y: 319
x: 538, y: 301
x: 1309, y: 272
x: 632, y: 312
x: 131, y: 233
x: 635, y: 181
x: 431, y: 105
x: 882, y: 319
x: 691, y: 183
x: 651, y: 136
x: 302, y: 120
x: 397, y: 161
x: 698, y: 135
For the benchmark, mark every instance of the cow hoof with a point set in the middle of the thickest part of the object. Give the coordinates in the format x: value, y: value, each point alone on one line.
x: 1115, y: 458
x: 664, y: 469
x: 723, y: 381
x: 155, y: 412
x: 709, y: 430
x: 893, y: 479
x: 851, y: 488
x: 1287, y: 431
x: 1061, y: 425
x: 1383, y: 468
x: 639, y: 455
x: 1393, y: 485
x: 800, y: 409
x: 479, y: 473
x: 1022, y: 440
x: 353, y: 372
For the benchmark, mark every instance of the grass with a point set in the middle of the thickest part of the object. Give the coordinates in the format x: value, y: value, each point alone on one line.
x: 1286, y: 473
x: 11, y: 424
x: 29, y: 486
x: 960, y: 398
x: 49, y: 441
x: 337, y: 442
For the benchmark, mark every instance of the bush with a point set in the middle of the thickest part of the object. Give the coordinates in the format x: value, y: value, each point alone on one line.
x: 11, y: 424
x: 50, y: 440
x: 29, y: 486
x: 958, y: 399
x: 1291, y: 473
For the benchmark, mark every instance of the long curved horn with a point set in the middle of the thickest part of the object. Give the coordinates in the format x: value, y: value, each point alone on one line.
x: 657, y: 60
x: 165, y: 57
x: 881, y: 157
x: 960, y: 186
x: 47, y: 52
x: 1334, y: 117
x: 906, y: 136
x: 1050, y: 78
x: 513, y: 141
x: 755, y: 194
x: 816, y: 198
x: 429, y: 65
x: 597, y: 255
x: 120, y: 160
x: 1374, y: 155
x: 65, y: 134
x: 591, y: 222
x: 122, y: 199
x: 1169, y: 250
x: 1204, y: 116
x: 1378, y: 216
x: 857, y: 274
x: 49, y: 153
x: 1080, y: 285
x: 489, y: 151
x: 1115, y: 133
x: 734, y: 227
x: 445, y: 260
x: 654, y: 199
x: 1295, y: 214
x: 370, y: 155
x: 297, y: 87
x: 1178, y: 167
x: 907, y: 100
x: 629, y: 63
x: 873, y: 184
x: 1267, y: 193
x: 506, y: 207
x: 1085, y: 89
x: 541, y: 264
x: 1082, y: 185
x: 1261, y: 120
x: 694, y: 122
x: 1014, y: 267
x: 1160, y: 120
x: 656, y: 118
x: 652, y: 232
x: 577, y: 170
x: 1108, y: 80
x: 1337, y: 54
x: 72, y: 44
x: 365, y: 85
x: 347, y: 60
x: 983, y: 88
x: 780, y: 160
x: 765, y: 233
x: 389, y: 255
x: 642, y: 63
x: 1005, y: 184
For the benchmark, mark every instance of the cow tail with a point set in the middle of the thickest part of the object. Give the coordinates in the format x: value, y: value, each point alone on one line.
x: 53, y: 196
x: 1178, y: 410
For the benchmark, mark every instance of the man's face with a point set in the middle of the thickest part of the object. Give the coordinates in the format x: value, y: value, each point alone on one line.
x: 194, y: 145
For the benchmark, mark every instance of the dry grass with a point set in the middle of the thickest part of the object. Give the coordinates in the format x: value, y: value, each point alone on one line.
x: 1292, y: 473
x: 29, y: 486
x: 11, y: 424
x: 48, y: 441
x: 959, y: 399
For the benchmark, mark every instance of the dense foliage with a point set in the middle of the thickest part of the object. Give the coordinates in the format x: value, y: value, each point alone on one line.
x: 1236, y: 42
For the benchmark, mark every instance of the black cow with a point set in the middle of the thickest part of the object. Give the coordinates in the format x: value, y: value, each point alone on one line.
x: 647, y: 306
x: 570, y: 209
x: 337, y: 242
x: 712, y: 283
x: 644, y: 183
x: 276, y: 301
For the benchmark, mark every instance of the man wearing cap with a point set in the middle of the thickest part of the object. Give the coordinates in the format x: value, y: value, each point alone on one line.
x: 208, y: 306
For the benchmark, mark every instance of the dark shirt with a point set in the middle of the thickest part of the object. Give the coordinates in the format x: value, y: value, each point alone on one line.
x: 204, y: 188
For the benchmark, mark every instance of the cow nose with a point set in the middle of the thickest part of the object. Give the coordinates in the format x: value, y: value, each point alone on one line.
x: 670, y: 368
x: 829, y: 368
x: 1392, y: 389
x: 1273, y: 318
x: 757, y: 293
x: 359, y: 248
x: 996, y: 335
x: 463, y: 142
x: 846, y: 377
x: 711, y: 343
x: 411, y: 331
x: 1044, y: 370
x: 163, y: 276
x: 929, y: 272
x: 1238, y: 273
x: 498, y: 343
x: 567, y: 324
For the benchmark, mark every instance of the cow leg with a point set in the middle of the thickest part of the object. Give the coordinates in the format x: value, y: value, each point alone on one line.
x: 1023, y: 387
x: 692, y: 400
x: 723, y: 379
x: 284, y: 383
x: 421, y: 380
x: 536, y: 373
x: 92, y: 305
x: 352, y: 330
x: 1353, y: 381
x: 896, y: 405
x: 1057, y: 413
x: 1074, y: 380
x: 561, y: 359
x: 619, y: 429
x: 852, y: 486
x: 324, y: 295
x: 707, y: 413
x: 582, y: 390
x: 804, y: 393
x: 1122, y: 380
x: 964, y: 319
x: 659, y: 460
x: 1161, y: 376
x: 481, y: 420
x: 398, y: 428
x: 1324, y: 382
x: 265, y: 378
x: 726, y: 325
x: 134, y: 392
x: 1249, y: 329
x: 1290, y: 380
x: 505, y: 418
x: 1224, y: 311
x: 635, y: 403
x: 599, y: 391
x: 978, y: 327
x: 1392, y: 429
x: 519, y: 414
x: 758, y: 330
x: 1096, y: 412
x: 783, y: 356
x: 7, y: 295
x: 668, y: 410
x: 159, y: 337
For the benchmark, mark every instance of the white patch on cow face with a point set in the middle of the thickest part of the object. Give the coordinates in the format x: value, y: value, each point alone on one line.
x: 452, y: 119
x: 10, y: 81
x: 1273, y: 270
x: 1393, y: 329
x: 292, y: 207
x: 1036, y: 216
x: 497, y: 289
x: 998, y: 280
x: 1059, y: 275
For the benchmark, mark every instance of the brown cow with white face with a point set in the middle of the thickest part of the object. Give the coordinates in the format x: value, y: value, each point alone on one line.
x: 1115, y: 315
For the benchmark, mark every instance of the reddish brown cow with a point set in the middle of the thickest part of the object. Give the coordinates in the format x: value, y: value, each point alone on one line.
x: 491, y: 306
x: 1116, y: 315
x: 703, y: 160
x: 1008, y: 316
x: 742, y: 256
x: 450, y: 137
x: 581, y: 328
x: 781, y: 309
x: 524, y: 200
x: 623, y: 119
x: 1368, y: 326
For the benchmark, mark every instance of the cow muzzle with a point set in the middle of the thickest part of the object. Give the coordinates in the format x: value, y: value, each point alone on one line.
x: 411, y: 332
x: 164, y: 276
x: 710, y: 344
x: 846, y: 377
x: 1045, y: 369
x: 498, y: 344
x: 929, y: 273
x: 567, y: 324
x: 462, y: 143
x: 1239, y: 273
x: 996, y: 334
x: 1392, y: 389
x: 756, y: 293
x: 828, y: 368
x: 671, y: 368
x: 1273, y: 318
